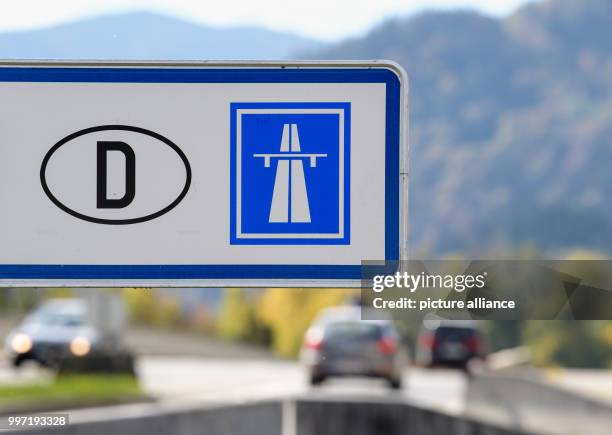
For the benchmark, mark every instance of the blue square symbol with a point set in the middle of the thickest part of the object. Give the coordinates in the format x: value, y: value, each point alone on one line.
x: 290, y: 173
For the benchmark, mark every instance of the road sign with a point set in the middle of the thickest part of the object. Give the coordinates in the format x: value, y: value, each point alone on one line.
x: 204, y: 174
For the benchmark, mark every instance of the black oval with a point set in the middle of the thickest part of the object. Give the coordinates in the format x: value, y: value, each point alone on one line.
x: 78, y: 215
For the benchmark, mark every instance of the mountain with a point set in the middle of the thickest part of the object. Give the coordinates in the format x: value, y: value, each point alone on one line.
x: 511, y: 126
x: 142, y: 35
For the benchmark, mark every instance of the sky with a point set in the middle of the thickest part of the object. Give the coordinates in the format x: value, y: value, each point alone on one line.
x: 321, y: 19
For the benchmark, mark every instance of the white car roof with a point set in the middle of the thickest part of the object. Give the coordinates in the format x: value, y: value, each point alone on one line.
x: 348, y: 314
x: 71, y: 306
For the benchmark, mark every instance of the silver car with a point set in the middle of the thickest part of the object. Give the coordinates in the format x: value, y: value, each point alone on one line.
x: 339, y: 343
x: 58, y: 328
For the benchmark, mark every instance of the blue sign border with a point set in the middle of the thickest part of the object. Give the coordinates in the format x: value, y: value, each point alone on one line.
x: 345, y: 240
x: 147, y: 74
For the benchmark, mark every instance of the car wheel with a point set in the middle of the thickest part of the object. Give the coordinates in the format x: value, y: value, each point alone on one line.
x: 395, y: 383
x: 316, y: 380
x: 18, y: 361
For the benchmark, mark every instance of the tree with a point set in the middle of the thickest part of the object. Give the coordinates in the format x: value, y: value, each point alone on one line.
x: 238, y: 321
x: 289, y: 312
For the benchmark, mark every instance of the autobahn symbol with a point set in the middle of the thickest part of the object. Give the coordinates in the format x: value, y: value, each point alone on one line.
x: 290, y: 198
x: 291, y: 173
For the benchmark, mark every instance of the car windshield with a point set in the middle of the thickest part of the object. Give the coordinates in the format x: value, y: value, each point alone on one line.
x: 352, y: 330
x: 453, y: 333
x: 56, y: 318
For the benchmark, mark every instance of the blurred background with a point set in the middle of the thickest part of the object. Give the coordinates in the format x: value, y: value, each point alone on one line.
x: 511, y: 139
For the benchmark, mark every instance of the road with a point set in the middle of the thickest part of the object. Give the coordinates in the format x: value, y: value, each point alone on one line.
x: 232, y: 380
x: 212, y: 370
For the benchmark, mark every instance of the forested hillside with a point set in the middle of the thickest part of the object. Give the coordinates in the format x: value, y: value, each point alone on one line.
x: 511, y: 125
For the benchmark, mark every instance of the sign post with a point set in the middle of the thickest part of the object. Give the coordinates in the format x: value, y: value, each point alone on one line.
x: 200, y: 174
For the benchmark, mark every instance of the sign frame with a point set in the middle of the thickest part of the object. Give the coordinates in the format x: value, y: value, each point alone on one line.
x: 396, y: 171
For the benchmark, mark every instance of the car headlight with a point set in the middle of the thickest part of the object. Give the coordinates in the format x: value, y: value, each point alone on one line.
x: 80, y: 346
x: 21, y: 343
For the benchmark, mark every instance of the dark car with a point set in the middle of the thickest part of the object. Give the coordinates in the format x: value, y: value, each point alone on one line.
x: 339, y: 343
x: 56, y: 329
x: 450, y: 344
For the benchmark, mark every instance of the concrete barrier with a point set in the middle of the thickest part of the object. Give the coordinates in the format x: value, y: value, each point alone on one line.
x: 340, y: 417
x: 303, y: 416
x: 530, y: 403
x: 509, y: 359
x: 263, y: 418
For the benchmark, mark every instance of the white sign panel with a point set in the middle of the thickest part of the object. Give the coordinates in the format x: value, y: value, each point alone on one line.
x: 200, y: 174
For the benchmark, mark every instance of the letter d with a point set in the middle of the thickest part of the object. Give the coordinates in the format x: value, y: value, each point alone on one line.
x: 130, y: 175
